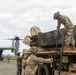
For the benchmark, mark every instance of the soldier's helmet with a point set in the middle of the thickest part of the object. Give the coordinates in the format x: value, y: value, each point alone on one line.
x: 56, y: 15
x: 33, y: 49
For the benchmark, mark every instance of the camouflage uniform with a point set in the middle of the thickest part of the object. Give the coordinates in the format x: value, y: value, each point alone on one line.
x: 8, y: 58
x: 32, y: 62
x: 23, y: 64
x: 19, y: 64
x: 68, y: 28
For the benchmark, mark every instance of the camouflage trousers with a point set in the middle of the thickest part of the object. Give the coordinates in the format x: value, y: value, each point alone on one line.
x: 19, y: 69
x: 69, y: 37
x: 31, y: 71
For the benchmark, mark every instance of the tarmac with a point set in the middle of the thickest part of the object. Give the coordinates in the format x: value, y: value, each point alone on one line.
x: 8, y: 68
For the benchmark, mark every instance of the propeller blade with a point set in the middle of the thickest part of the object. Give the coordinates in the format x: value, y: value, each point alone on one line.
x: 8, y: 39
x: 15, y: 38
x: 20, y: 39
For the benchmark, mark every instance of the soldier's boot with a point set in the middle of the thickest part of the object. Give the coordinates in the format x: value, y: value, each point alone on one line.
x: 66, y: 48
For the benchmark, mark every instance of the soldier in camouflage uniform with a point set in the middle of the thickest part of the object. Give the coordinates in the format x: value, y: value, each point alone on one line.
x: 68, y: 28
x: 33, y: 61
x: 19, y: 64
x: 8, y: 58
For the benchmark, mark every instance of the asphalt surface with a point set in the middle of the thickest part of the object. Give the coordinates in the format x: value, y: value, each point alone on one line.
x: 8, y: 68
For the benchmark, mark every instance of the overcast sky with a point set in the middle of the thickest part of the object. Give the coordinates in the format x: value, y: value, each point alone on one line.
x: 18, y: 16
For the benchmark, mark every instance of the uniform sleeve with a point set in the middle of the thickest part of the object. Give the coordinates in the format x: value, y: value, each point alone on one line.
x: 24, y: 64
x: 58, y: 26
x: 42, y: 60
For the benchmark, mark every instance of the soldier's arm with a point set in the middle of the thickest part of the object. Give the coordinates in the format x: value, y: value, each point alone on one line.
x: 49, y: 60
x: 58, y: 26
x: 42, y: 60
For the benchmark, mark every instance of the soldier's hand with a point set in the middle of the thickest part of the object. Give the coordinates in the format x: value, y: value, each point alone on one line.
x: 40, y: 63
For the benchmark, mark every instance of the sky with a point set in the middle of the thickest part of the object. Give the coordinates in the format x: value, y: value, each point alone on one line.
x: 18, y: 16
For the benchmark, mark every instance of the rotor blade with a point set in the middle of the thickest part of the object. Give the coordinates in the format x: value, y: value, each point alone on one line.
x: 8, y: 39
x: 15, y: 38
x: 20, y: 39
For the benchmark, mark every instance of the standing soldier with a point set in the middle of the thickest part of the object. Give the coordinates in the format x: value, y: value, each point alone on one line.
x: 8, y: 58
x: 33, y: 61
x: 68, y: 29
x: 19, y: 64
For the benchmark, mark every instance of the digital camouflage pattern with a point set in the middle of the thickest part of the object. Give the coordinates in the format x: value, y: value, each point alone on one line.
x: 69, y: 27
x: 23, y: 66
x: 33, y: 62
x: 23, y: 62
x: 8, y: 58
x: 19, y: 64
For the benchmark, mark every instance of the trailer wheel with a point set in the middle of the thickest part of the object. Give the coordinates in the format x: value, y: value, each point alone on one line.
x: 43, y: 70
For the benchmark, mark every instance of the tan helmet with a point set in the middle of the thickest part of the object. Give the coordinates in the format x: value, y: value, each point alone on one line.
x: 56, y: 15
x: 33, y: 49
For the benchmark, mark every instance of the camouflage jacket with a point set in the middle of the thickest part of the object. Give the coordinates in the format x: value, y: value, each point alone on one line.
x: 62, y: 19
x: 32, y: 63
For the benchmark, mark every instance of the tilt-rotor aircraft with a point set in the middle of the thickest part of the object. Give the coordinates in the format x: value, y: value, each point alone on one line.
x: 14, y: 47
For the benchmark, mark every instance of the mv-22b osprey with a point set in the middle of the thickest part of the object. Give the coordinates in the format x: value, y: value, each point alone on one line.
x: 14, y: 47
